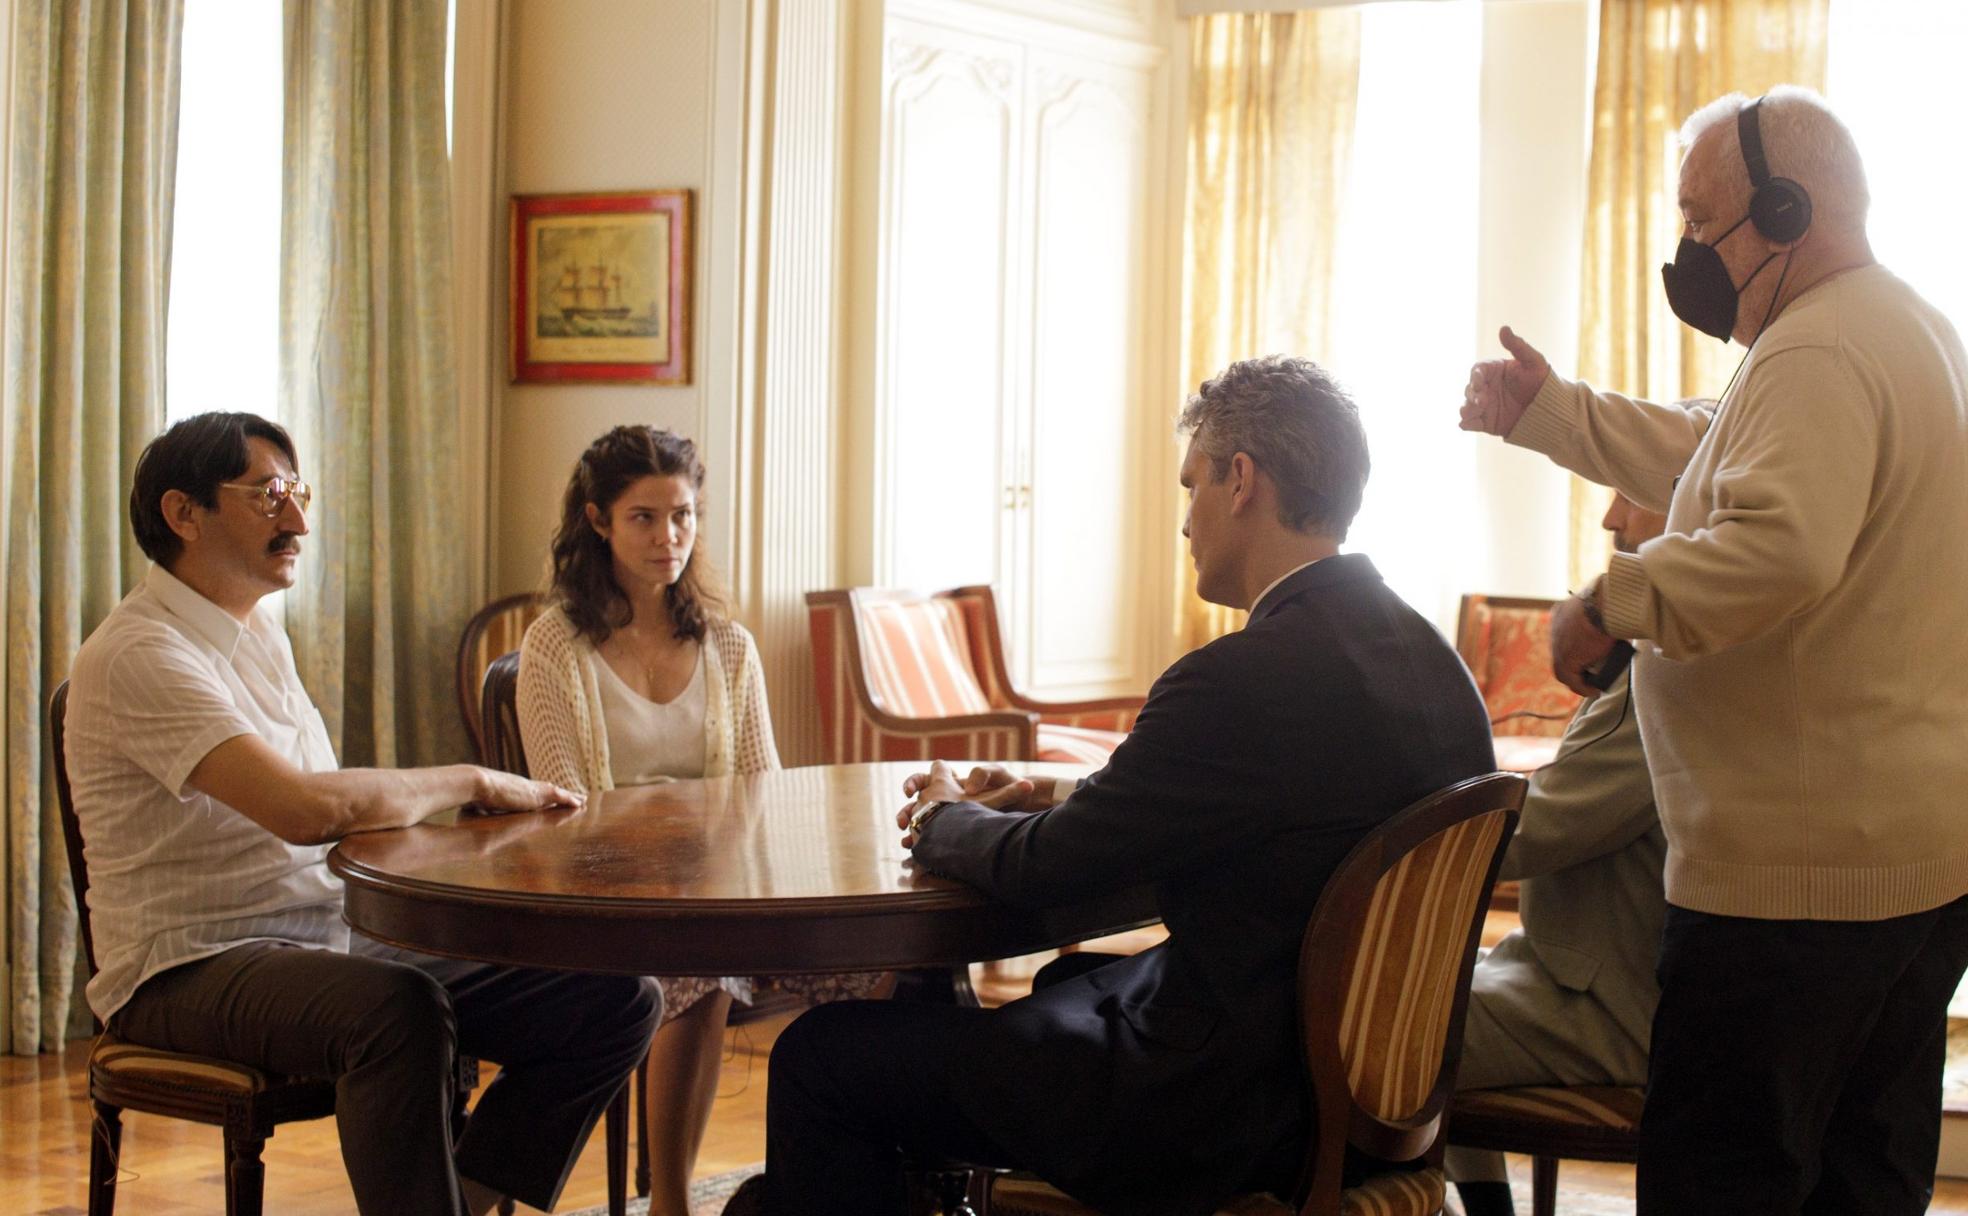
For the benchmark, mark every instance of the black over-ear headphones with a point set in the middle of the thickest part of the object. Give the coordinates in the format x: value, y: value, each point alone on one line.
x: 1780, y: 208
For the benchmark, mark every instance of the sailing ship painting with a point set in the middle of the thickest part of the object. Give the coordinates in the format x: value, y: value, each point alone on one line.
x: 600, y: 288
x: 590, y: 292
x: 599, y: 280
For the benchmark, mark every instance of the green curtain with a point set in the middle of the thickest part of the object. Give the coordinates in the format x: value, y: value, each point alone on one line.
x: 367, y: 380
x: 94, y: 160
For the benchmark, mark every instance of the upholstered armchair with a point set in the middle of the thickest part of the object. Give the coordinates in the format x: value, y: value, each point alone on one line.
x: 1506, y: 642
x: 907, y: 676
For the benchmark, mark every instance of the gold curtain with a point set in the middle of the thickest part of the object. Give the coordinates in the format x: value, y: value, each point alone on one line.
x: 94, y: 144
x: 1271, y: 103
x: 367, y: 379
x: 1659, y: 61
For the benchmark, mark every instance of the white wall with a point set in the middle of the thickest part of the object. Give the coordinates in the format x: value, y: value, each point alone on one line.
x: 604, y: 95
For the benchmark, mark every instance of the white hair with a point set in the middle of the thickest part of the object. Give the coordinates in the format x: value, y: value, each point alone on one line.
x: 1803, y: 141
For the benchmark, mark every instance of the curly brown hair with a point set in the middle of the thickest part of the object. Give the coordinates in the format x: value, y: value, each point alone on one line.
x: 583, y: 567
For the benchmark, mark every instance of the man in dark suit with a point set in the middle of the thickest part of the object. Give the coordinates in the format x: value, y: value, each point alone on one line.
x: 1164, y: 1082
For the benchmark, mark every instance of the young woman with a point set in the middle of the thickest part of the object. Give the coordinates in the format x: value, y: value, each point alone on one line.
x: 634, y: 675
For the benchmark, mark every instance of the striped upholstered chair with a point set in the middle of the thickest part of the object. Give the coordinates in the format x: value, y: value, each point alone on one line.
x: 1383, y: 982
x: 1551, y: 1123
x: 905, y: 676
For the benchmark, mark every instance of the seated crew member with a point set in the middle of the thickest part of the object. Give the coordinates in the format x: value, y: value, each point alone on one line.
x: 1164, y: 1082
x: 1569, y: 998
x: 209, y: 795
x: 635, y: 675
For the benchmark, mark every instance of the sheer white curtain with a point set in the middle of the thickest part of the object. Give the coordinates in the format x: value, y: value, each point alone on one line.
x: 223, y: 338
x: 1895, y: 75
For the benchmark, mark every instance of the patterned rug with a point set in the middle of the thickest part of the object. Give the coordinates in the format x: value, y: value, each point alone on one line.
x: 1570, y: 1202
x: 707, y: 1195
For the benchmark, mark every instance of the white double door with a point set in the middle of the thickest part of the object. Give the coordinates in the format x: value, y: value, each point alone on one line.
x: 1020, y: 423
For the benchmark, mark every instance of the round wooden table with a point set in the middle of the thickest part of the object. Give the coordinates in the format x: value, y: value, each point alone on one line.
x: 797, y: 870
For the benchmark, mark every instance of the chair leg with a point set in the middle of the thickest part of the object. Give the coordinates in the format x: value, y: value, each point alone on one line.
x: 1544, y: 1186
x: 245, y: 1175
x: 642, y: 1129
x: 105, y: 1148
x: 618, y: 1151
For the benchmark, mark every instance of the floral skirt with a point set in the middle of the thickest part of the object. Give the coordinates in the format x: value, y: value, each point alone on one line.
x: 680, y: 992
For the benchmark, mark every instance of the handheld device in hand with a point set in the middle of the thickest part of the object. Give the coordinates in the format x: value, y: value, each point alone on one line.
x: 1609, y: 668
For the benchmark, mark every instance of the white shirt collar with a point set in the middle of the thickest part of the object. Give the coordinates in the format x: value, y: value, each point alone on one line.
x: 206, y: 620
x: 1281, y: 578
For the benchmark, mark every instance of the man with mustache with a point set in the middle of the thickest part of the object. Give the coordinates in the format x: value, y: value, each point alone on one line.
x: 209, y: 795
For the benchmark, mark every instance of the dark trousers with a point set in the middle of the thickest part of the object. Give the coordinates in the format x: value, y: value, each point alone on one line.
x: 387, y: 1024
x: 858, y: 1088
x: 1797, y: 1064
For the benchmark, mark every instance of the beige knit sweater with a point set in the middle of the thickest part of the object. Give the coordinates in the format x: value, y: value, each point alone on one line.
x: 560, y: 718
x: 1804, y: 700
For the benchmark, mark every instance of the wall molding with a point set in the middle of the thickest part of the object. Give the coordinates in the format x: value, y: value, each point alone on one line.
x: 791, y: 409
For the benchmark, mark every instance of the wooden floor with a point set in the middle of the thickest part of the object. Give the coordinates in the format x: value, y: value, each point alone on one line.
x: 174, y: 1167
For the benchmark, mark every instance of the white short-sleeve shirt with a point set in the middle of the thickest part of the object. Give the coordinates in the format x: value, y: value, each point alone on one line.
x: 173, y: 874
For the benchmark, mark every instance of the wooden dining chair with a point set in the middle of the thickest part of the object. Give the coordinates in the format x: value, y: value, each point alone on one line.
x: 1398, y: 924
x: 503, y: 749
x: 1550, y: 1123
x: 492, y: 631
x: 246, y: 1103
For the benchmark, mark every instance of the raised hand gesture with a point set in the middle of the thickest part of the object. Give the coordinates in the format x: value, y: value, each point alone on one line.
x: 1500, y: 390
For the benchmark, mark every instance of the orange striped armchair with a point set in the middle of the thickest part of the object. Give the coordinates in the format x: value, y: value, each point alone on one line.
x: 1506, y: 643
x: 906, y: 676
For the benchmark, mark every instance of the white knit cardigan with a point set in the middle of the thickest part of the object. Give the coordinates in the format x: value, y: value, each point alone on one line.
x: 560, y: 716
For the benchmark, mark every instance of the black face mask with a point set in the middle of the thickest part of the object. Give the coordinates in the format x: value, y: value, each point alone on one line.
x: 1699, y: 289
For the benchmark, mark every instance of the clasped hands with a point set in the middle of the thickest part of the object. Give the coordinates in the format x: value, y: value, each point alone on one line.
x: 988, y: 785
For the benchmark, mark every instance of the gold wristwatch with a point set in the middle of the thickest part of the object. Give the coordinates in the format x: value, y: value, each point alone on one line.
x: 923, y: 815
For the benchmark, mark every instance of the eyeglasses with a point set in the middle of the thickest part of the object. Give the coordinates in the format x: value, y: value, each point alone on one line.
x: 274, y: 493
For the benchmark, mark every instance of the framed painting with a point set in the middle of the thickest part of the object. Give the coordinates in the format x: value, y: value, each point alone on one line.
x: 601, y: 288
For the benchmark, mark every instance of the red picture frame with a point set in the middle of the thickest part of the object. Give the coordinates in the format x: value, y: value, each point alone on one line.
x: 601, y: 287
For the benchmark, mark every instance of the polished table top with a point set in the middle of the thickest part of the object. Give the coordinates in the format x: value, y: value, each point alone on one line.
x: 795, y: 870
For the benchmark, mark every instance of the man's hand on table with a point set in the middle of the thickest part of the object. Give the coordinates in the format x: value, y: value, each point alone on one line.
x: 988, y: 785
x: 503, y: 793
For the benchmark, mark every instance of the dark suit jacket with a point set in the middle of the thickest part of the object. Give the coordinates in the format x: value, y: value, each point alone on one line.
x: 1164, y: 1082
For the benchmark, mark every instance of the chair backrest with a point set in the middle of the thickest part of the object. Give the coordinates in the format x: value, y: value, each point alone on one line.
x: 492, y: 631
x: 78, y: 866
x: 1384, y: 973
x: 503, y: 748
x: 1506, y: 643
x: 916, y: 654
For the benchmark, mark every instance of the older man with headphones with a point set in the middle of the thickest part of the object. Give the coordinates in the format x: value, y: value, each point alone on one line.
x: 1801, y: 632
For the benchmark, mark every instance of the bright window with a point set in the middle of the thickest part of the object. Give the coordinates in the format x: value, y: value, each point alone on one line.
x: 223, y: 339
x: 1895, y: 77
x: 1406, y: 286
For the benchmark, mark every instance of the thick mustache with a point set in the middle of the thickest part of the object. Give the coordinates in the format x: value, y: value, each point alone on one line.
x: 286, y: 542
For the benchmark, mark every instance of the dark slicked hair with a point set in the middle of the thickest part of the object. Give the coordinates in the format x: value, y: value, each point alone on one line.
x: 583, y: 565
x: 194, y: 456
x: 1297, y: 424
